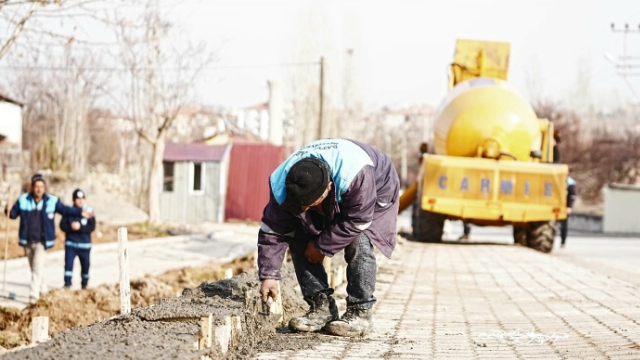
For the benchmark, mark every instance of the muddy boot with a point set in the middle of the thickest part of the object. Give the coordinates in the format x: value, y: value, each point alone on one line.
x: 322, y: 310
x: 354, y: 323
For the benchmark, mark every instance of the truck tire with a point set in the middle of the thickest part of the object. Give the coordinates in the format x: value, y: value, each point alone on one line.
x: 428, y: 226
x: 541, y: 236
x: 538, y: 236
x: 520, y: 235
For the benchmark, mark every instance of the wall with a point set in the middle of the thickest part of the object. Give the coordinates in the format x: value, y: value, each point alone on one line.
x: 11, y: 122
x: 250, y: 166
x: 183, y: 206
x: 585, y: 223
x: 621, y: 209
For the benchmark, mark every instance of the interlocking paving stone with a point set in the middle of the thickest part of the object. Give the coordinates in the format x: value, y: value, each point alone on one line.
x: 443, y: 301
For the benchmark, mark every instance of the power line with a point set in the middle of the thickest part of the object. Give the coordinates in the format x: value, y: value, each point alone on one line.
x: 115, y: 69
x: 624, y: 62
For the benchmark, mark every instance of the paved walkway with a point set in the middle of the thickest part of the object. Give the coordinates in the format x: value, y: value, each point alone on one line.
x: 152, y: 257
x: 491, y: 302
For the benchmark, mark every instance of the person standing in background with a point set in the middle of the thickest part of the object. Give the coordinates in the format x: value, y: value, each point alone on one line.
x: 78, y: 231
x: 571, y: 198
x: 37, y: 234
x: 556, y: 151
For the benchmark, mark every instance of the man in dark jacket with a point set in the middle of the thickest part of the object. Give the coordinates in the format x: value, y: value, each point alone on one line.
x: 571, y: 198
x: 36, y: 210
x: 78, y: 240
x: 331, y: 195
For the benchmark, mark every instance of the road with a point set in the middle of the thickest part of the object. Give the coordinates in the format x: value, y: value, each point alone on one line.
x: 146, y: 257
x: 612, y: 255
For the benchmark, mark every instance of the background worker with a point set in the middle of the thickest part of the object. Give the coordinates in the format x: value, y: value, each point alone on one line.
x: 36, y: 210
x: 571, y: 198
x: 556, y: 149
x: 78, y: 240
x: 331, y: 195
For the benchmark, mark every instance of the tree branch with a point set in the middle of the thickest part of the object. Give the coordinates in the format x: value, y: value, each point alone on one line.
x: 18, y: 29
x: 145, y: 136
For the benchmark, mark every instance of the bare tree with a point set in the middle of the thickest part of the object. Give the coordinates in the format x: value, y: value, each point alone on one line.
x: 60, y: 93
x: 598, y: 158
x: 162, y: 68
x: 38, y: 22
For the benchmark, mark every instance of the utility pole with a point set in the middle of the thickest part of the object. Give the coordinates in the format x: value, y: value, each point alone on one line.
x: 624, y: 63
x: 403, y: 151
x: 321, y: 106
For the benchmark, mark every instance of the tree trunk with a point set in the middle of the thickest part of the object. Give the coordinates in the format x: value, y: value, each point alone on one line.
x: 155, y: 178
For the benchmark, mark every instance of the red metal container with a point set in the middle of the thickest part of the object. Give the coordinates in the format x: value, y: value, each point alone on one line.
x: 250, y: 166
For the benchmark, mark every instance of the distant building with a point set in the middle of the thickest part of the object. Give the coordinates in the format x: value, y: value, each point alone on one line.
x: 190, y: 122
x: 620, y: 204
x: 214, y: 183
x: 10, y: 133
x: 194, y: 183
x: 255, y: 119
x: 250, y: 165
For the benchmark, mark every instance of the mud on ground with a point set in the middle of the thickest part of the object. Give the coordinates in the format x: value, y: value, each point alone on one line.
x: 169, y: 329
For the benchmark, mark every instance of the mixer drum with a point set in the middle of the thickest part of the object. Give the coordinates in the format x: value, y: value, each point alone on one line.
x: 485, y: 109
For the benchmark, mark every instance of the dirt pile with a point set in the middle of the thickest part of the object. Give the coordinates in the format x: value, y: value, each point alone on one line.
x: 169, y: 329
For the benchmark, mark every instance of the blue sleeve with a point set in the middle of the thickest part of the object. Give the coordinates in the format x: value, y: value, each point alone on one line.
x: 64, y: 224
x: 15, y: 210
x: 64, y: 210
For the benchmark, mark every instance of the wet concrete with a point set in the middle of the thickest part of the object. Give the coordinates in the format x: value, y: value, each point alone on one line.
x: 169, y: 329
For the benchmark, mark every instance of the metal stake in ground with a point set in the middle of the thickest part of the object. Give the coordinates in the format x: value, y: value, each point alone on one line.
x: 123, y: 264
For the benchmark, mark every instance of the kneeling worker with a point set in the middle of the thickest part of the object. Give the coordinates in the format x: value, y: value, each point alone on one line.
x: 78, y: 240
x: 331, y: 195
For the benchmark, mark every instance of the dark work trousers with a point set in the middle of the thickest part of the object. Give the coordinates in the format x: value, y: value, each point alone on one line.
x: 70, y: 253
x: 361, y: 272
x: 466, y: 228
x: 564, y: 229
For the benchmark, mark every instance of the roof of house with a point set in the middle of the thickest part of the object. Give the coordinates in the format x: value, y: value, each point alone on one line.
x: 260, y: 106
x: 6, y: 98
x: 236, y: 137
x: 194, y: 152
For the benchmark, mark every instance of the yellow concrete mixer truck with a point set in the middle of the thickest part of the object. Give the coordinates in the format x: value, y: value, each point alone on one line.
x: 490, y: 160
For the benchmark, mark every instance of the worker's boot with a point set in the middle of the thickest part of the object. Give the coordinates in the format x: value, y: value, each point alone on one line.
x: 322, y: 309
x: 354, y: 323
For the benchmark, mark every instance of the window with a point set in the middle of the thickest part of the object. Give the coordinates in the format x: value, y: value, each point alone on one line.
x: 197, y: 178
x: 167, y: 183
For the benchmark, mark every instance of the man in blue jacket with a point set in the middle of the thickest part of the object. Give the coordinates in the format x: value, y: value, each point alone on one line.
x: 78, y: 231
x: 331, y: 195
x: 36, y: 210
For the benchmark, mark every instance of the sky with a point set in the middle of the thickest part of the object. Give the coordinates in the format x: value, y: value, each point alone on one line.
x: 399, y: 50
x: 402, y: 48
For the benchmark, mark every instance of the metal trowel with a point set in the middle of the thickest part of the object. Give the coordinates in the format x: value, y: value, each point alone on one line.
x: 266, y: 307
